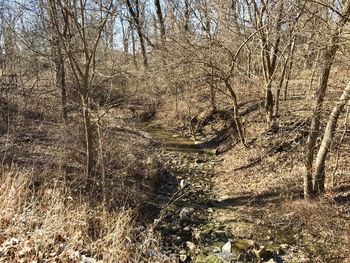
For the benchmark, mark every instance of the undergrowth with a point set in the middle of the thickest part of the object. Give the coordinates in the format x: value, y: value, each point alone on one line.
x: 49, y: 225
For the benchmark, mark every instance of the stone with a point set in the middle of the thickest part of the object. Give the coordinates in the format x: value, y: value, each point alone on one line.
x: 183, y: 257
x: 178, y: 240
x: 85, y: 259
x: 185, y: 212
x: 21, y: 254
x: 284, y: 246
x: 182, y: 183
x: 227, y: 248
x: 175, y: 228
x: 190, y: 245
x: 14, y: 241
x: 187, y: 229
x: 216, y: 250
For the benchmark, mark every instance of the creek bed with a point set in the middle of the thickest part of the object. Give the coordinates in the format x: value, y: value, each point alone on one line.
x: 186, y: 222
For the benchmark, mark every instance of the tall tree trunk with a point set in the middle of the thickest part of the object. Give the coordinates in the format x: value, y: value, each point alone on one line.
x: 309, y: 95
x: 328, y: 59
x: 319, y: 182
x: 346, y: 127
x: 315, y: 121
x: 110, y: 31
x: 236, y: 27
x: 61, y: 84
x: 143, y: 48
x: 89, y: 138
x: 269, y: 104
x: 236, y: 115
x: 187, y: 15
x: 289, y: 71
x: 126, y: 33
x: 133, y: 44
x: 212, y: 97
x: 58, y: 59
x: 269, y: 54
x: 249, y: 66
x: 135, y: 15
x: 279, y: 87
x: 160, y: 20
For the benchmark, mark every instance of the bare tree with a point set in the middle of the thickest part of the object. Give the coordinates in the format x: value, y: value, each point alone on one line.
x: 58, y: 59
x: 311, y: 188
x: 80, y: 45
x: 320, y: 173
x: 135, y: 13
x: 160, y: 19
x: 261, y: 15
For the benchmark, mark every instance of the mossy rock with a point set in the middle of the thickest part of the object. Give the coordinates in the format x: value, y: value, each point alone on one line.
x: 207, y: 259
x: 242, y: 244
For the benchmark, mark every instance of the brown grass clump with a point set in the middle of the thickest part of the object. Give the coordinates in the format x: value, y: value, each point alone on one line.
x: 322, y: 228
x: 48, y: 225
x: 264, y: 201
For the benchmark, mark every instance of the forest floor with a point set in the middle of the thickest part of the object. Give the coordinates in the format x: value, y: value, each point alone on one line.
x: 251, y: 200
x: 259, y: 210
x: 244, y: 205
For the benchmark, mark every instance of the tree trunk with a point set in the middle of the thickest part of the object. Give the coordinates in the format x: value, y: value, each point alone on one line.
x: 61, y: 84
x: 236, y: 116
x: 249, y: 66
x: 319, y: 182
x: 110, y: 32
x: 328, y: 59
x: 312, y: 76
x: 89, y: 138
x: 135, y: 14
x: 160, y: 20
x: 212, y: 97
x: 187, y: 15
x: 289, y: 72
x: 58, y: 59
x: 126, y: 33
x: 133, y: 44
x: 235, y: 23
x: 143, y: 48
x: 279, y: 87
x: 346, y: 127
x: 315, y: 121
x: 269, y: 104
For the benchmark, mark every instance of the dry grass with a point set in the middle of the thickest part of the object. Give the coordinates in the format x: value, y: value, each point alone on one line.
x: 266, y: 199
x: 321, y: 227
x: 47, y: 224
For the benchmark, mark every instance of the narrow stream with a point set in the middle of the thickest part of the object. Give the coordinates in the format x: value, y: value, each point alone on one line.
x: 187, y: 225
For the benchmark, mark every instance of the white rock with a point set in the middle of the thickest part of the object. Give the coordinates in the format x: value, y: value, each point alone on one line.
x: 227, y: 247
x: 85, y: 259
x: 284, y: 246
x: 190, y: 245
x: 186, y: 212
x: 216, y: 250
x: 183, y: 257
x: 14, y: 241
x: 182, y: 183
x: 187, y: 229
